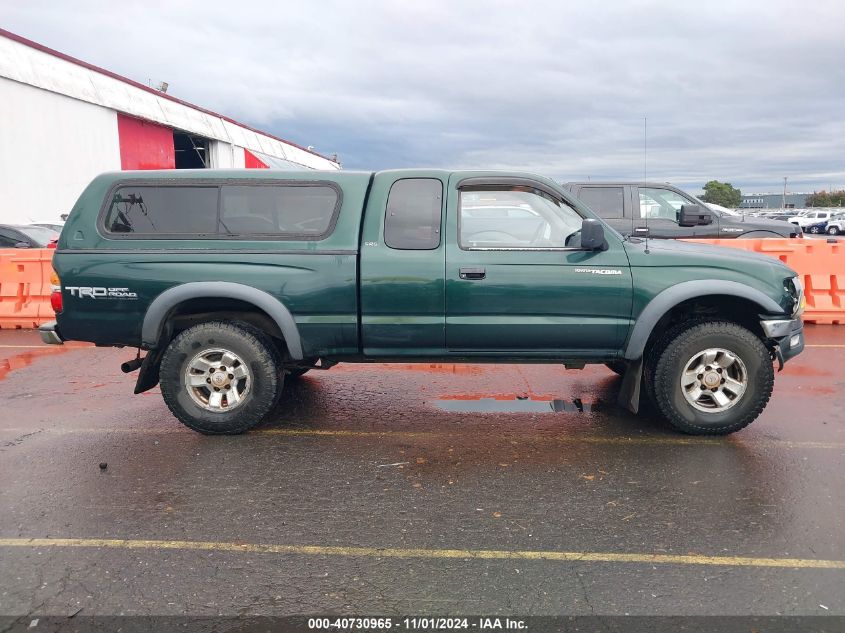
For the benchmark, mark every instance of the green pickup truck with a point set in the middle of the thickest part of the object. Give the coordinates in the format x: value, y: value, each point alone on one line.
x: 235, y: 281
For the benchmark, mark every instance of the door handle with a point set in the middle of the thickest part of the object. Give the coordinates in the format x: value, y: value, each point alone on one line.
x: 472, y: 273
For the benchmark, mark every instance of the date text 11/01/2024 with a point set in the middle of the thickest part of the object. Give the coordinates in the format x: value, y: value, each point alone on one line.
x: 416, y: 624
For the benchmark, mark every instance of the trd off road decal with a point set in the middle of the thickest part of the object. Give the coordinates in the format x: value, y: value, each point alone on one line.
x: 98, y: 292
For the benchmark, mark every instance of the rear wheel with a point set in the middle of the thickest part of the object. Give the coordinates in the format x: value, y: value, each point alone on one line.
x: 712, y: 378
x: 833, y: 230
x: 221, y: 378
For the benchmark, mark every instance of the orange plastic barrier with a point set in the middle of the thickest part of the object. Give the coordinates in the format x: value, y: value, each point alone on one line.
x: 25, y: 278
x: 821, y: 265
x: 25, y: 287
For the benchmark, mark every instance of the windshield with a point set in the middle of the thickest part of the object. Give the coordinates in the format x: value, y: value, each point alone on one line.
x: 38, y: 234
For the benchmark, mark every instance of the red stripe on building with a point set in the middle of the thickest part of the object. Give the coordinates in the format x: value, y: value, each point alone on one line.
x: 144, y: 145
x: 251, y: 161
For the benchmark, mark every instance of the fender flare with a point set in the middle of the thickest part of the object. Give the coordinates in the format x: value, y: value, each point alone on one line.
x: 672, y: 296
x: 167, y: 300
x: 759, y: 234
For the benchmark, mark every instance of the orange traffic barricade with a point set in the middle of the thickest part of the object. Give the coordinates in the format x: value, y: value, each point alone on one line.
x: 25, y: 287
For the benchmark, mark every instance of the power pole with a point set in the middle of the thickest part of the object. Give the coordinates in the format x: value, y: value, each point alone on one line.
x: 784, y: 192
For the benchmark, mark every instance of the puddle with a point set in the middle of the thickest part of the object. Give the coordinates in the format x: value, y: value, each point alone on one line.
x: 26, y: 359
x: 516, y: 405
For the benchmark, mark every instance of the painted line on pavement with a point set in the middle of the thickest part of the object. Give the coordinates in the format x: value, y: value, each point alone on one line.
x: 390, y: 552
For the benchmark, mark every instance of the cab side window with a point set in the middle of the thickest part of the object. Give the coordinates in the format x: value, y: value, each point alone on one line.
x: 516, y: 218
x: 607, y: 202
x: 661, y: 204
x: 412, y: 217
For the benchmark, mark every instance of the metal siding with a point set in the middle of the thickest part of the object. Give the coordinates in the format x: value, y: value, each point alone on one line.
x: 145, y: 145
x: 59, y: 143
x: 64, y: 76
x: 251, y: 161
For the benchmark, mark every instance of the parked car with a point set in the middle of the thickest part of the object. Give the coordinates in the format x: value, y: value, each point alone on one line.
x: 663, y: 211
x: 816, y: 228
x: 27, y: 236
x: 234, y: 281
x: 55, y: 226
x: 810, y: 217
x: 836, y: 224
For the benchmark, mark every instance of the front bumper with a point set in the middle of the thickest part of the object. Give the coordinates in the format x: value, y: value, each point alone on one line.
x: 50, y: 334
x: 787, y: 336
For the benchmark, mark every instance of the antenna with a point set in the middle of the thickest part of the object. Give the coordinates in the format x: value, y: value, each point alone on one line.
x: 645, y: 174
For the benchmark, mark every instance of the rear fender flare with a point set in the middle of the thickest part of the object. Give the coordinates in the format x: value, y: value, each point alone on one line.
x: 672, y: 296
x: 163, y: 304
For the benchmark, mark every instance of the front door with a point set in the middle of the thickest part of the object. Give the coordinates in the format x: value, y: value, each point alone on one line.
x: 517, y: 281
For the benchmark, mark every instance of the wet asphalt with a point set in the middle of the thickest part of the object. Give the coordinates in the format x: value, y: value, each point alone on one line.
x: 386, y: 481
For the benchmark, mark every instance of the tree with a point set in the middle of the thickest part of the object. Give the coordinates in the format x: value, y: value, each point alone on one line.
x: 722, y: 193
x: 825, y: 199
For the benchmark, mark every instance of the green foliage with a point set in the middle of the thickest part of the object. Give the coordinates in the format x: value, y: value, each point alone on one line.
x: 825, y: 199
x: 722, y: 193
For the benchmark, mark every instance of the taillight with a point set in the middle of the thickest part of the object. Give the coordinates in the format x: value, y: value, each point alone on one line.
x: 52, y: 243
x: 55, y: 292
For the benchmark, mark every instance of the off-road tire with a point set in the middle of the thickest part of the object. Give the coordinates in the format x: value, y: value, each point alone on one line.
x: 248, y: 342
x: 653, y: 353
x: 669, y: 398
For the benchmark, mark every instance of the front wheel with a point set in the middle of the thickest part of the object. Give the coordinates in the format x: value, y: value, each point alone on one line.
x: 713, y: 378
x: 833, y: 230
x: 221, y: 378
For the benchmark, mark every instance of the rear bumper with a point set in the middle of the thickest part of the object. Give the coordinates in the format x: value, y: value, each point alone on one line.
x: 50, y: 334
x: 787, y: 335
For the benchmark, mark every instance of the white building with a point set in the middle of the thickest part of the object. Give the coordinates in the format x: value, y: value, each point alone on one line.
x: 63, y: 121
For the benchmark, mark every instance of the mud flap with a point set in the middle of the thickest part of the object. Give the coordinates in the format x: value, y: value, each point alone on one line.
x: 629, y: 393
x: 148, y: 376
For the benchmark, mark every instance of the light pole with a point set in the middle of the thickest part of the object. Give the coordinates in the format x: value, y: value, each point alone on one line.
x: 784, y: 192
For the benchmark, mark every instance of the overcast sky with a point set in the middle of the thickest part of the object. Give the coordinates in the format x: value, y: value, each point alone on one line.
x: 743, y: 91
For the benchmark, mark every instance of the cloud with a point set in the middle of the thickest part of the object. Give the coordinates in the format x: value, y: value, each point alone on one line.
x: 746, y: 92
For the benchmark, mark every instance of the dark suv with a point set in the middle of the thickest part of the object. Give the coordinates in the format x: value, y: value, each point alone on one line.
x: 661, y: 210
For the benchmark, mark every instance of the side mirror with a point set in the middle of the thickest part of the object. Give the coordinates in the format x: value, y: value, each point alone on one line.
x: 592, y: 235
x: 694, y: 215
x: 22, y: 245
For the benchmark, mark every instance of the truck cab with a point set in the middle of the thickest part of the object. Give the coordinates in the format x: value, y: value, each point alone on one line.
x: 654, y: 210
